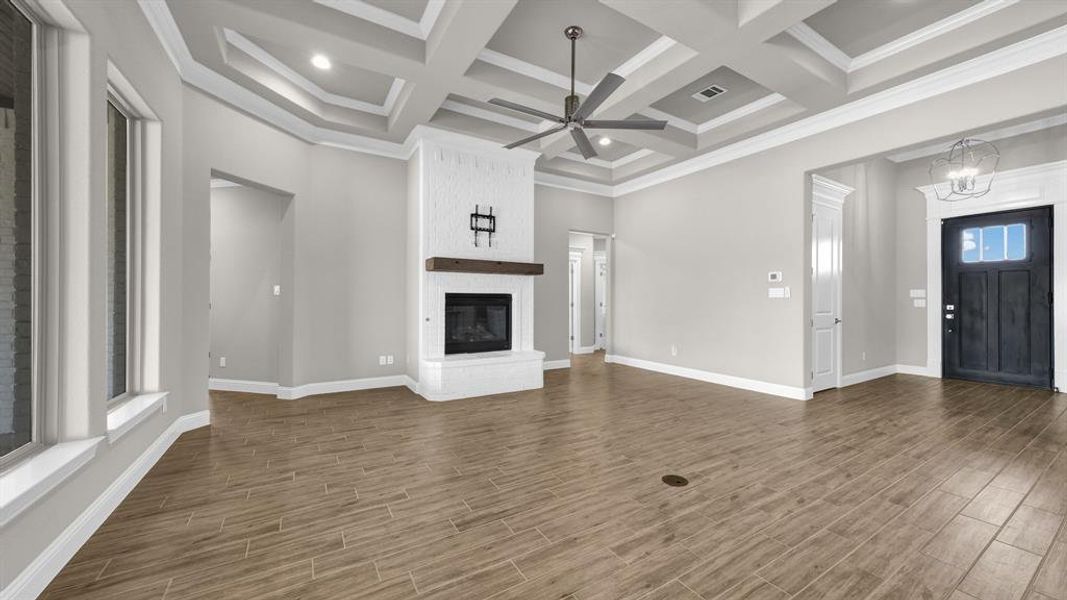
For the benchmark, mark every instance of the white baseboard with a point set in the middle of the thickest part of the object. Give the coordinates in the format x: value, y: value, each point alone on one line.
x: 346, y: 385
x: 36, y: 577
x: 242, y: 385
x: 557, y: 364
x: 916, y: 370
x: 775, y: 389
x: 411, y: 384
x: 584, y: 350
x: 867, y: 375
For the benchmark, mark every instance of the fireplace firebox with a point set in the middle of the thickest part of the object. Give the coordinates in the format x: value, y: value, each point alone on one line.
x: 477, y: 323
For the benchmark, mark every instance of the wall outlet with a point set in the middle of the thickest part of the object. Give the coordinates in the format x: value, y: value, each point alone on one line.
x: 674, y: 350
x: 389, y: 359
x: 381, y: 360
x: 277, y: 290
x: 222, y: 361
x: 863, y: 356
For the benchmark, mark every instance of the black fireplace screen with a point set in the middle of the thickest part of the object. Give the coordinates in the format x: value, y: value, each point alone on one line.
x: 477, y: 323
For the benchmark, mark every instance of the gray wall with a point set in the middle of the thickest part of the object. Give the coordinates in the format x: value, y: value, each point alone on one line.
x: 723, y: 228
x: 588, y: 310
x: 1020, y: 151
x: 557, y: 213
x: 246, y: 230
x: 344, y: 237
x: 868, y: 278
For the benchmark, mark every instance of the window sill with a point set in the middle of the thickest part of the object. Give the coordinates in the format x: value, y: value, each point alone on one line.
x: 29, y: 481
x: 125, y: 416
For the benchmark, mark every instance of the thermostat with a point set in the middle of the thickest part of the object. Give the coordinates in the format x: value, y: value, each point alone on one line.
x: 774, y: 276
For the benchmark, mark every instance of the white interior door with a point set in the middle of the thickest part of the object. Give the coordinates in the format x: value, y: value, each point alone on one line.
x: 574, y: 308
x: 600, y: 299
x: 826, y: 295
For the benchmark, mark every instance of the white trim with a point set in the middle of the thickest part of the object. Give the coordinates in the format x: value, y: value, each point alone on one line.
x: 599, y: 162
x: 815, y: 42
x: 36, y: 577
x: 390, y: 20
x: 1027, y: 187
x: 557, y: 364
x: 125, y: 416
x: 645, y: 56
x: 989, y: 136
x: 879, y: 372
x: 532, y: 71
x: 868, y: 375
x: 346, y: 385
x: 570, y: 183
x: 268, y: 60
x: 584, y: 350
x: 488, y: 115
x: 828, y: 191
x: 934, y: 30
x: 242, y: 385
x: 998, y: 62
x: 835, y: 56
x: 31, y: 479
x: 763, y: 387
x: 515, y: 65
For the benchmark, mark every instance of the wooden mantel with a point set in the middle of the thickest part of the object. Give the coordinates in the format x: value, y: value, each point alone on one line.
x: 470, y: 265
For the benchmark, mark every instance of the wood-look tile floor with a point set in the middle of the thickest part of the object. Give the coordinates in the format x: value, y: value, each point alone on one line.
x: 904, y: 487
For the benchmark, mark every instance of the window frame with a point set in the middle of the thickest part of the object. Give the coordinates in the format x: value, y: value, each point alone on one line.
x: 129, y: 390
x: 980, y: 243
x: 38, y: 241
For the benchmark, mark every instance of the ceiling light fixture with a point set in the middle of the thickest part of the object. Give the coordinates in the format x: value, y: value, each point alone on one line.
x: 321, y: 61
x: 965, y: 171
x: 604, y: 141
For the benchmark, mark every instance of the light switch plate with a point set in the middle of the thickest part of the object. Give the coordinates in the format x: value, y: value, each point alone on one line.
x: 917, y: 293
x: 778, y: 292
x: 919, y: 302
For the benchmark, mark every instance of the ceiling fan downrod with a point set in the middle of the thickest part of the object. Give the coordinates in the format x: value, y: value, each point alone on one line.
x: 570, y: 103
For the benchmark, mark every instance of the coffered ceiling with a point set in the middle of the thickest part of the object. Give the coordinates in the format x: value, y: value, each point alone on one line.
x: 398, y: 64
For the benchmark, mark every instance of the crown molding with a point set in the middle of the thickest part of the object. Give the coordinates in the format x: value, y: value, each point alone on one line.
x: 835, y: 56
x: 574, y: 185
x: 826, y: 189
x: 989, y: 136
x: 390, y: 20
x: 1022, y: 54
x: 271, y: 62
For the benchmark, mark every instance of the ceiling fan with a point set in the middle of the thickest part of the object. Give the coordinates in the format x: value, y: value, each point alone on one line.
x: 576, y: 113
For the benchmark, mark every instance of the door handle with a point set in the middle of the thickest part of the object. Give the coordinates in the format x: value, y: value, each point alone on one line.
x: 836, y: 321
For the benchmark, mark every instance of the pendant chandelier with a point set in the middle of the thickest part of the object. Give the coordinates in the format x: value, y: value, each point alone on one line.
x: 965, y: 171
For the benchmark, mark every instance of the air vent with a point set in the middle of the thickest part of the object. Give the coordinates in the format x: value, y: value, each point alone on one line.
x: 709, y: 92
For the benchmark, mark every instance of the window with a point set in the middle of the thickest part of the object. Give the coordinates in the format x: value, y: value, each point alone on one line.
x: 994, y: 243
x: 17, y: 227
x: 117, y: 251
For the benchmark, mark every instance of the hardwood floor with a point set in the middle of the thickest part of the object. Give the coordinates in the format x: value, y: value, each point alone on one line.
x: 904, y: 487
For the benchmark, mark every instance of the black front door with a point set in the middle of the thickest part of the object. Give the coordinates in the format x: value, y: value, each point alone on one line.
x: 997, y: 306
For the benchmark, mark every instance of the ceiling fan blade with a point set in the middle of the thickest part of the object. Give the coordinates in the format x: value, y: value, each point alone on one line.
x: 535, y: 136
x: 626, y: 124
x: 526, y: 109
x: 600, y: 93
x: 588, y: 151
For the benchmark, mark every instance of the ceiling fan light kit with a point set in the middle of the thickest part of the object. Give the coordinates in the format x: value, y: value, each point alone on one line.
x: 576, y: 113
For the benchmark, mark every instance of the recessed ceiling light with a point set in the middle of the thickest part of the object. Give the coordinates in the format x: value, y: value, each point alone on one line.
x: 321, y: 61
x: 604, y: 141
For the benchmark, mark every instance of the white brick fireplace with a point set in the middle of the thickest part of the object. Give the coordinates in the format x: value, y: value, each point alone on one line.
x: 450, y: 177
